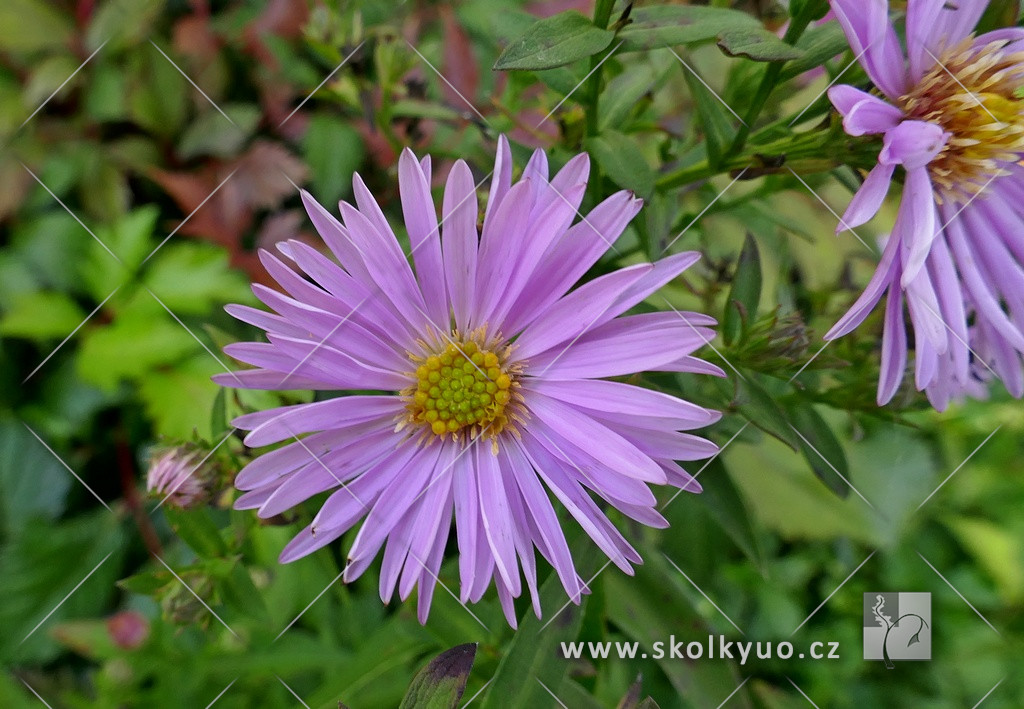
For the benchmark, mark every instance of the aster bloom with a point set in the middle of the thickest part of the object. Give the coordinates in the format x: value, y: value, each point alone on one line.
x: 951, y: 116
x: 171, y: 475
x: 493, y: 376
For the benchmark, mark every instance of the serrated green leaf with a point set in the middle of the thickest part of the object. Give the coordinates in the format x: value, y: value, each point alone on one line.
x: 441, y: 683
x: 622, y: 160
x: 141, y: 338
x: 192, y: 278
x: 41, y: 315
x: 758, y: 44
x: 554, y: 41
x: 745, y: 293
x: 670, y: 25
x: 821, y: 448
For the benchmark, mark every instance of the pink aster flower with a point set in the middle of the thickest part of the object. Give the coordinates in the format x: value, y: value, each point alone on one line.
x: 489, y: 379
x: 952, y: 118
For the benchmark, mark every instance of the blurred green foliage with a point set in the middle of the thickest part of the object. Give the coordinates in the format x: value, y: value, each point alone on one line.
x: 134, y: 200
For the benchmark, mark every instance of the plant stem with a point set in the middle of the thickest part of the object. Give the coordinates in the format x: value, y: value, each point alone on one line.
x: 771, y: 77
x: 602, y: 16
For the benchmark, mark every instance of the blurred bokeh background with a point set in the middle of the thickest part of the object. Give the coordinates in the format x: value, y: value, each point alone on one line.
x: 150, y: 148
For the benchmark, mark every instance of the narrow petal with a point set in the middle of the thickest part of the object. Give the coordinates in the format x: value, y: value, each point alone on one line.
x: 387, y: 265
x: 500, y: 245
x: 501, y: 179
x: 496, y: 517
x: 459, y: 241
x: 603, y: 444
x: 873, y: 39
x: 577, y: 312
x: 894, y: 349
x: 868, y: 200
x: 284, y: 422
x: 625, y: 399
x: 916, y: 223
x: 880, y: 281
x: 424, y: 237
x: 573, y: 255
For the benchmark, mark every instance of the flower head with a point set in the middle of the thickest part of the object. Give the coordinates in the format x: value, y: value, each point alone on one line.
x: 952, y: 117
x: 173, y: 474
x: 494, y: 378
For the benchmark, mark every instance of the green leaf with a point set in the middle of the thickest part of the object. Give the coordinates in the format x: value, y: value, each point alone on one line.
x: 146, y: 583
x: 334, y: 150
x: 554, y: 41
x: 195, y: 527
x: 758, y: 44
x: 715, y: 119
x: 647, y: 607
x: 48, y: 76
x: 33, y: 585
x: 623, y: 92
x: 130, y: 240
x: 745, y: 293
x: 213, y: 134
x: 819, y: 44
x: 33, y: 483
x: 31, y: 25
x: 41, y: 315
x: 998, y: 14
x: 441, y: 683
x: 533, y: 653
x: 141, y: 338
x: 191, y: 278
x: 760, y: 409
x: 122, y: 22
x: 622, y: 160
x: 178, y: 398
x: 724, y: 503
x: 821, y: 448
x: 669, y: 25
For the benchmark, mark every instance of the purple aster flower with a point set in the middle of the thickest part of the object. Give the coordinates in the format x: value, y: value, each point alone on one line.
x: 172, y: 475
x: 490, y: 382
x: 951, y: 116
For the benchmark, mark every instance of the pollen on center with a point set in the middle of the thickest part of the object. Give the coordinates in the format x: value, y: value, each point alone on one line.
x: 463, y: 386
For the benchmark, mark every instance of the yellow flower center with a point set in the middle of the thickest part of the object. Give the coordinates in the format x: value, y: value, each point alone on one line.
x: 973, y: 93
x: 463, y: 386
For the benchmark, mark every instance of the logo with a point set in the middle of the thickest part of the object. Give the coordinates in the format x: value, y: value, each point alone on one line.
x: 897, y: 626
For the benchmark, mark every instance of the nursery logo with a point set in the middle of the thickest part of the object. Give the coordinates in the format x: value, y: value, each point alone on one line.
x: 897, y: 626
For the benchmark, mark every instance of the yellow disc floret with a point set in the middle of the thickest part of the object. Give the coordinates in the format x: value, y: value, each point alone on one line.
x: 974, y: 94
x: 461, y: 387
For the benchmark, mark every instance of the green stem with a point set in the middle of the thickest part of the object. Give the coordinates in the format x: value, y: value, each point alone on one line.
x: 602, y: 16
x: 771, y: 77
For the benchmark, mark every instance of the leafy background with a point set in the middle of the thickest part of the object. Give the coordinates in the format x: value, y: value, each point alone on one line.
x: 132, y: 206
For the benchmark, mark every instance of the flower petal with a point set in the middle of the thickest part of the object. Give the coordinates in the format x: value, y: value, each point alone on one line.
x: 459, y: 241
x: 577, y: 312
x: 894, y: 349
x: 868, y: 200
x: 424, y: 236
